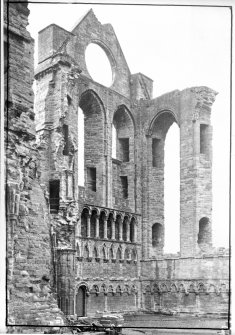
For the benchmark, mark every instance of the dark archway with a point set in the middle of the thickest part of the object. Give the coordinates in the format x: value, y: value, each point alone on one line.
x: 123, y: 129
x: 84, y: 218
x: 165, y: 197
x: 81, y: 301
x: 94, y: 136
x: 157, y: 234
x: 204, y: 231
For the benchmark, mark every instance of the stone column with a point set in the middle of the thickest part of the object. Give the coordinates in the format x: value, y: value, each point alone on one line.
x: 69, y: 184
x: 195, y: 167
x: 105, y: 227
x: 97, y: 226
x: 113, y: 228
x: 63, y: 186
x: 88, y: 225
x: 77, y: 230
x: 128, y: 230
x: 135, y: 232
x: 120, y: 230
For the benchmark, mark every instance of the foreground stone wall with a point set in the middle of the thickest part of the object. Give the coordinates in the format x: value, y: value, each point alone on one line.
x: 31, y: 299
x: 188, y: 285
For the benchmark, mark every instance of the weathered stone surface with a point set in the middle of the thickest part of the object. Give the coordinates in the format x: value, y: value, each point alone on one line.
x: 28, y: 228
x: 99, y: 247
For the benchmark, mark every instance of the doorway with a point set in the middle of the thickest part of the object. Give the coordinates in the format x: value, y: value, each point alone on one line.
x: 81, y: 301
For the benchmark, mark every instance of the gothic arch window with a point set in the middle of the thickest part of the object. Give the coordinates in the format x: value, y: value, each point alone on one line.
x: 117, y: 228
x: 157, y: 234
x: 109, y: 226
x: 125, y: 230
x: 81, y: 149
x: 132, y: 230
x: 204, y: 231
x: 101, y: 224
x: 123, y: 129
x: 93, y: 124
x: 84, y: 225
x: 93, y: 224
x: 164, y: 144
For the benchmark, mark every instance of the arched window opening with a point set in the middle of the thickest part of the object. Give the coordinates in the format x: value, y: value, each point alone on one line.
x: 91, y: 178
x: 204, y: 139
x: 98, y: 64
x: 84, y: 218
x: 93, y: 224
x: 156, y: 152
x: 92, y: 144
x: 101, y: 225
x: 65, y: 131
x: 124, y: 187
x: 109, y: 227
x: 54, y: 196
x: 132, y: 230
x: 81, y: 177
x: 117, y: 227
x: 81, y: 301
x: 114, y: 141
x: 125, y: 223
x: 172, y: 189
x: 157, y: 234
x: 204, y: 231
x: 123, y: 130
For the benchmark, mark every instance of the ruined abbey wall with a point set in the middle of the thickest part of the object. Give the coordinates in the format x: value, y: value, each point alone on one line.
x: 100, y: 246
x: 29, y: 259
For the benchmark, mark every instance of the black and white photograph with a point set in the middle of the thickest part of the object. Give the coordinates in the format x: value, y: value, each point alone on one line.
x: 116, y: 133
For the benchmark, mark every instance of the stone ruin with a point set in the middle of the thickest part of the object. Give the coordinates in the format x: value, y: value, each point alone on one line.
x: 75, y: 250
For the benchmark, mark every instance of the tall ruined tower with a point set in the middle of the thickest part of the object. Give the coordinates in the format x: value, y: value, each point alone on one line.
x: 30, y: 296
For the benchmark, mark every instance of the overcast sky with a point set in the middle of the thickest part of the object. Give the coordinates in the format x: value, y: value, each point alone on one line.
x: 177, y: 47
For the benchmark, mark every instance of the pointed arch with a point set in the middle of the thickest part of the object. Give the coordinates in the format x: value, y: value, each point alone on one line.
x: 88, y: 97
x: 132, y: 229
x: 124, y: 125
x: 94, y: 141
